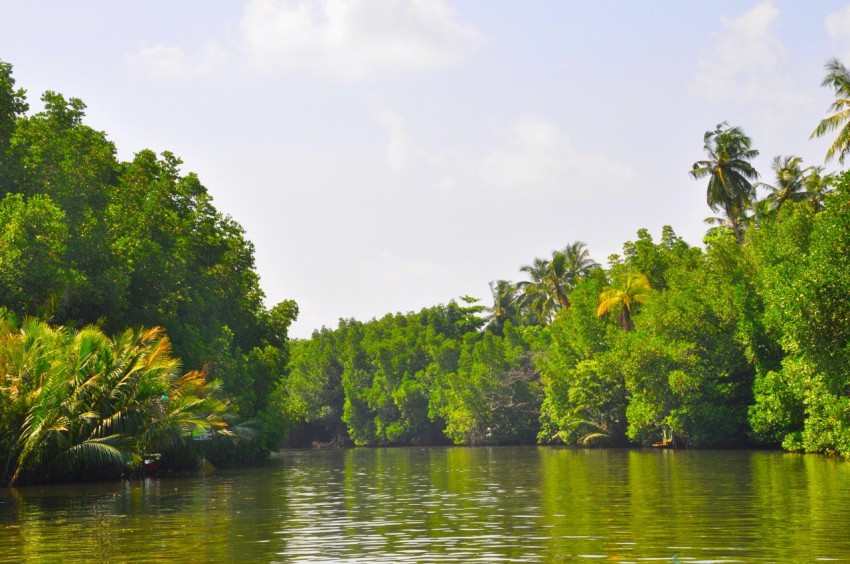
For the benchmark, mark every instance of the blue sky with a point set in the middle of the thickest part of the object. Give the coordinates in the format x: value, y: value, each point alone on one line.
x: 390, y: 155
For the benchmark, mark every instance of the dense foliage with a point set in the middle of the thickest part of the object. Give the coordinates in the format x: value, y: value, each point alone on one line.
x: 77, y: 404
x: 745, y: 340
x: 413, y: 378
x: 89, y: 240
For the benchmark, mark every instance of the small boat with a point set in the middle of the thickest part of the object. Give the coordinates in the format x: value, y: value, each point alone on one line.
x: 151, y: 462
x: 666, y: 443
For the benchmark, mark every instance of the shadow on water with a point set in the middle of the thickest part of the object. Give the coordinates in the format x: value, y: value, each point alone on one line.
x: 449, y: 504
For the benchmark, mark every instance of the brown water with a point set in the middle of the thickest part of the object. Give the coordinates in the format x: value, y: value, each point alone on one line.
x: 525, y: 504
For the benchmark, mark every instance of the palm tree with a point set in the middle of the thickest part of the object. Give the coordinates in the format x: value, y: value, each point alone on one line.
x: 94, y: 404
x: 553, y: 280
x: 729, y: 173
x: 579, y: 263
x: 717, y: 223
x: 539, y: 293
x: 505, y: 306
x: 838, y: 77
x: 792, y: 181
x: 635, y: 290
x: 818, y: 187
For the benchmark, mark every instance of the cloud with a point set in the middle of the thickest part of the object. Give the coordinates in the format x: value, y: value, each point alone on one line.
x: 355, y: 38
x: 745, y: 56
x: 165, y: 62
x: 838, y: 27
x: 343, y: 39
x: 746, y: 67
x: 159, y: 61
x: 541, y: 158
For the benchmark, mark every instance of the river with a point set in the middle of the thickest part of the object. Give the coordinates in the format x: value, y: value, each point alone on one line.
x: 517, y: 504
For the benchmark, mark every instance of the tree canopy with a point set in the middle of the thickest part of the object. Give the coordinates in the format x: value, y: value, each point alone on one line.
x: 88, y: 240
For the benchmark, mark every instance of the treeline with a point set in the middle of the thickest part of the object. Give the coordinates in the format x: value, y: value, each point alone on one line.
x: 743, y: 342
x: 90, y: 241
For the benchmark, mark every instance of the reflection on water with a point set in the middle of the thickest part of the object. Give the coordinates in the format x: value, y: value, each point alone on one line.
x: 525, y: 504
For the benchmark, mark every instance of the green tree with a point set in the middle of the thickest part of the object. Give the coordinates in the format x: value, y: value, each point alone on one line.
x: 33, y: 274
x: 313, y: 393
x: 685, y: 367
x: 635, y: 289
x: 584, y: 391
x: 505, y: 307
x: 538, y: 294
x: 13, y: 105
x: 494, y: 396
x: 838, y: 78
x: 656, y: 260
x: 80, y: 404
x: 551, y: 281
x: 803, y: 275
x: 792, y: 182
x: 58, y: 156
x: 729, y: 174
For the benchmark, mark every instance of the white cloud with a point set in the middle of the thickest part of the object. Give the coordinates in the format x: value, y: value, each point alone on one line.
x: 347, y: 39
x: 165, y: 62
x: 356, y: 38
x: 746, y: 67
x: 159, y: 61
x: 744, y: 58
x: 541, y: 158
x: 838, y: 28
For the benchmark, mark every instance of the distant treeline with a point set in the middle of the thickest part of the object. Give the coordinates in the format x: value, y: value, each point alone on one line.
x: 743, y: 342
x: 88, y: 241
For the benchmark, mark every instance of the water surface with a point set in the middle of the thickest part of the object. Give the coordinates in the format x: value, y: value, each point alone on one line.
x: 524, y: 504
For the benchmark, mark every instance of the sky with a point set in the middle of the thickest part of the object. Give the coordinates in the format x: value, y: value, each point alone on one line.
x: 390, y: 155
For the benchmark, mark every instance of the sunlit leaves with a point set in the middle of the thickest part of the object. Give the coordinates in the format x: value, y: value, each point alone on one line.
x: 79, y: 404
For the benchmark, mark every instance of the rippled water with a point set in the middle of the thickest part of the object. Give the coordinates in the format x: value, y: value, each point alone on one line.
x: 527, y: 504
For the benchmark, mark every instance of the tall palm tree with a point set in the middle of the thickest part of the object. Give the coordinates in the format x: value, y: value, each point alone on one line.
x: 818, y: 187
x: 837, y: 77
x: 539, y: 294
x: 505, y: 306
x: 634, y: 290
x: 792, y: 181
x: 579, y: 263
x: 730, y: 174
x: 551, y: 281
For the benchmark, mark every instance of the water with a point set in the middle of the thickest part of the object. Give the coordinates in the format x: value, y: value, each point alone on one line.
x: 526, y: 504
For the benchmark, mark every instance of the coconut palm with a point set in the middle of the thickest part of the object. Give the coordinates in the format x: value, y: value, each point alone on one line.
x: 818, y: 187
x: 539, y: 293
x: 838, y: 78
x: 716, y: 223
x: 730, y: 174
x: 634, y: 290
x: 792, y: 182
x: 505, y: 306
x: 551, y: 281
x: 579, y: 263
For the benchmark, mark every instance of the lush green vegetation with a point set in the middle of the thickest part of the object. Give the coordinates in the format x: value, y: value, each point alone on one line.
x: 745, y: 340
x: 89, y: 241
x: 79, y: 404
